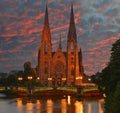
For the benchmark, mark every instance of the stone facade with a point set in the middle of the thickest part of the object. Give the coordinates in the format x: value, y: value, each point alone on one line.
x: 60, y: 68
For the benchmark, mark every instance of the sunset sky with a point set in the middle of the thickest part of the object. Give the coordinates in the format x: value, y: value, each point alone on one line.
x: 21, y: 23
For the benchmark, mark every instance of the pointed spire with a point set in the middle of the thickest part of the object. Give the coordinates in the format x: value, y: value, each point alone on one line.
x: 46, y: 20
x: 60, y: 46
x: 72, y: 29
x: 72, y: 15
x: 46, y: 35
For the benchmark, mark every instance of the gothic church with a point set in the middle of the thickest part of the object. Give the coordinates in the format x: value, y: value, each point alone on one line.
x: 60, y: 68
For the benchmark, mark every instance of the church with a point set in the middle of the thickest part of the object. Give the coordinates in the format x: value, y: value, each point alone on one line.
x: 60, y: 68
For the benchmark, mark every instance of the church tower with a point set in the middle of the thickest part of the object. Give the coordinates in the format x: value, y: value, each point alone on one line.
x: 73, y: 76
x: 45, y: 53
x: 60, y: 68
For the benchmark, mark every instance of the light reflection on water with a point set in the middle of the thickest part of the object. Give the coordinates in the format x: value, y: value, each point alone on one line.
x: 78, y: 107
x: 51, y: 105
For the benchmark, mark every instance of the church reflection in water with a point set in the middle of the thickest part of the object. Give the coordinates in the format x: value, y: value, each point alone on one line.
x: 63, y: 105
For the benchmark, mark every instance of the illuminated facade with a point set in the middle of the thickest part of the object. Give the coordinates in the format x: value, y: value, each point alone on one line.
x: 60, y: 68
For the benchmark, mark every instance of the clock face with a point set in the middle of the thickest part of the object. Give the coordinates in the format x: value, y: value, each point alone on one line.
x: 59, y: 67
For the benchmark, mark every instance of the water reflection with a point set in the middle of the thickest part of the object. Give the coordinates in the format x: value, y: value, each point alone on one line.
x: 68, y: 100
x: 100, y: 105
x: 93, y: 106
x: 38, y: 106
x: 78, y: 107
x: 29, y: 107
x: 63, y: 105
x: 49, y: 106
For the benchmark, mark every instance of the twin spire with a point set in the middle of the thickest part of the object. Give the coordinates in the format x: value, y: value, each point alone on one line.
x: 72, y: 29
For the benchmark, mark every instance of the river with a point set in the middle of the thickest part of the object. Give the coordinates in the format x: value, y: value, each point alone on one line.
x: 51, y: 105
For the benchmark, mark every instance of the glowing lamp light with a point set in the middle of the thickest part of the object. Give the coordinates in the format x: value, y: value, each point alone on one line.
x: 63, y: 79
x: 38, y: 78
x: 69, y: 100
x: 30, y: 77
x: 80, y: 77
x: 89, y: 79
x: 49, y: 78
x: 20, y: 78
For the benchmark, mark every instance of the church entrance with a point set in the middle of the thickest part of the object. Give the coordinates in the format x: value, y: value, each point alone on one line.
x: 56, y: 82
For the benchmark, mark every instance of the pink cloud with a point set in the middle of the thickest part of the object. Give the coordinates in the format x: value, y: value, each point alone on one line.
x: 30, y: 40
x: 103, y: 7
x: 59, y: 28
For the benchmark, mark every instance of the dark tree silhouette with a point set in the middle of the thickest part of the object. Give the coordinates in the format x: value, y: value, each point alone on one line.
x: 110, y: 79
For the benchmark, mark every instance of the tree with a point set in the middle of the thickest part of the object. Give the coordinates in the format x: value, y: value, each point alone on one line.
x: 12, y: 80
x: 116, y: 100
x: 111, y: 74
x: 114, y: 66
x: 111, y: 80
x: 28, y: 70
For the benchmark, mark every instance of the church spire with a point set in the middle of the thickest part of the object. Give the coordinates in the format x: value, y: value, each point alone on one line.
x: 46, y: 34
x: 46, y: 20
x: 72, y: 29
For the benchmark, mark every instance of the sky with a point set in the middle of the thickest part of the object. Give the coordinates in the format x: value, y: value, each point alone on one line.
x: 21, y: 22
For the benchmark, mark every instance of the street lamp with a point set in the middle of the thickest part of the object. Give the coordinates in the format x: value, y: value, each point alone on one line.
x: 29, y: 85
x: 19, y: 80
x: 49, y: 78
x: 30, y: 77
x: 79, y: 78
x: 89, y: 79
x: 49, y: 81
x: 63, y: 79
x: 38, y: 78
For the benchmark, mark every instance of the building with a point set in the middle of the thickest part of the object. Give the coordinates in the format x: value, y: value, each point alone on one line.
x: 60, y: 68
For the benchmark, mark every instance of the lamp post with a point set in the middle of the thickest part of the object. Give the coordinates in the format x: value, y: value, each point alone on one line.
x: 38, y: 78
x: 49, y: 81
x: 79, y: 80
x: 64, y: 81
x: 29, y: 85
x: 30, y: 77
x: 19, y: 80
x: 89, y: 79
